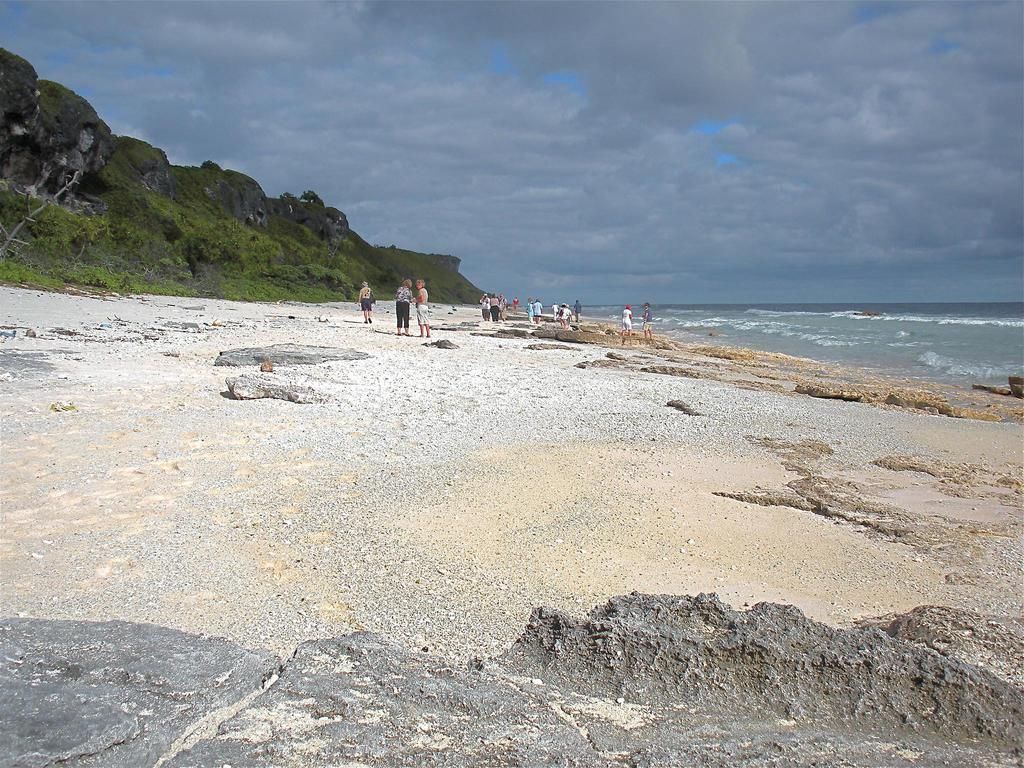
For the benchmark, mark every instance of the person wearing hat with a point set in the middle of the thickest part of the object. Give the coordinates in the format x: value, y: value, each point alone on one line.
x: 627, y: 322
x: 366, y: 302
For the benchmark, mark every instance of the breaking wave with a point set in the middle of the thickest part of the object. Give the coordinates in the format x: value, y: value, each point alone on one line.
x: 954, y: 367
x: 1006, y: 322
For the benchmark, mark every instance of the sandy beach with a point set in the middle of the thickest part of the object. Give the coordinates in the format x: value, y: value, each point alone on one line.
x: 437, y: 495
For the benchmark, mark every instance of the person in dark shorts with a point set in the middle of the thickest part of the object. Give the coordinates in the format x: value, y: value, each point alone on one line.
x: 366, y: 302
x: 495, y: 309
x: 403, y: 299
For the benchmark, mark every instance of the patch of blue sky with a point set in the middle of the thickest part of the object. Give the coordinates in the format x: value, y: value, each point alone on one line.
x: 566, y: 79
x: 941, y: 46
x: 712, y: 127
x: 56, y: 59
x: 868, y: 12
x: 724, y: 158
x: 160, y: 72
x: 11, y: 12
x: 500, y: 61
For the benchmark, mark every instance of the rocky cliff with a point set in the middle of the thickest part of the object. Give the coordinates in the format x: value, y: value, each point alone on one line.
x: 160, y: 227
x: 47, y: 132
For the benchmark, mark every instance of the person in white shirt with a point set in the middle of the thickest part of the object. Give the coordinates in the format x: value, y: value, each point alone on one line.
x: 627, y: 321
x: 564, y: 314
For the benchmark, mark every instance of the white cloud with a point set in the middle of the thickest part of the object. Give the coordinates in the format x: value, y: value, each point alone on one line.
x: 857, y: 147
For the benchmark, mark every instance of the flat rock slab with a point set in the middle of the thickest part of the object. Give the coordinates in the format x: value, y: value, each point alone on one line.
x: 504, y: 333
x: 674, y: 370
x: 287, y: 354
x: 25, y: 364
x: 113, y: 693
x: 542, y: 347
x: 443, y: 344
x: 642, y: 681
x: 361, y: 701
x: 260, y: 386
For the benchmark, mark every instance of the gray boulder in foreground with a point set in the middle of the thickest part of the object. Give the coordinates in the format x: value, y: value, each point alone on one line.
x: 642, y: 681
x: 79, y: 693
x: 257, y: 386
x: 287, y: 354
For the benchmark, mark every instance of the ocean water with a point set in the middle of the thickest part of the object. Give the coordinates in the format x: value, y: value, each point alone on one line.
x: 955, y: 343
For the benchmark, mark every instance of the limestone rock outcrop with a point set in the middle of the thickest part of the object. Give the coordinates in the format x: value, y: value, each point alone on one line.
x: 327, y: 223
x: 242, y: 197
x: 642, y: 681
x: 47, y: 132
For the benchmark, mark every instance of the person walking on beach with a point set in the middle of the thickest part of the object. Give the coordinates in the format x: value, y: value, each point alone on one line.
x: 515, y: 305
x: 494, y: 309
x: 564, y: 314
x: 529, y: 309
x: 538, y: 310
x: 648, y: 332
x: 366, y: 302
x: 422, y: 308
x: 403, y: 299
x: 485, y: 306
x: 577, y: 308
x: 627, y: 322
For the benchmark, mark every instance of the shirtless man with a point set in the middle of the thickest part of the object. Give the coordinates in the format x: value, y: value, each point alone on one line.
x: 422, y: 308
x: 366, y: 302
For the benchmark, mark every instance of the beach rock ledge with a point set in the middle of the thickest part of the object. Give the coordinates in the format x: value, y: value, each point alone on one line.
x: 643, y: 680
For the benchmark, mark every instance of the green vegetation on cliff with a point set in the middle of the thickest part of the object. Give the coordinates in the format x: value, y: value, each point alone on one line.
x: 141, y: 225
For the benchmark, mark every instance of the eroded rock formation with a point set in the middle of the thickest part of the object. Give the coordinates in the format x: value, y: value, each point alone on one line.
x: 47, y: 132
x: 644, y: 680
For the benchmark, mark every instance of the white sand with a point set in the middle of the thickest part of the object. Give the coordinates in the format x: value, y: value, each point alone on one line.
x: 439, y: 494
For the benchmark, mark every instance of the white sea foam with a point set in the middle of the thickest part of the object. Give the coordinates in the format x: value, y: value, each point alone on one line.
x: 1004, y: 322
x: 1008, y: 322
x: 954, y: 367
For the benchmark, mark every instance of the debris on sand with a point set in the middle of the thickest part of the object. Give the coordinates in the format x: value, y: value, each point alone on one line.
x: 682, y: 407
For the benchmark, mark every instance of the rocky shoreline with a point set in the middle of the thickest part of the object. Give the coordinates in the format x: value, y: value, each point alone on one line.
x: 641, y: 681
x: 428, y: 498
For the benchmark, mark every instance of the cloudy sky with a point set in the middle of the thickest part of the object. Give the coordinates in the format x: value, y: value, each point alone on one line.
x: 670, y: 152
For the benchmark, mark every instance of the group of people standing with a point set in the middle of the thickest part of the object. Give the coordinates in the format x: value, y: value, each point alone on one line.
x: 562, y: 313
x: 492, y: 308
x: 495, y: 308
x: 627, y: 321
x: 404, y: 299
